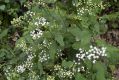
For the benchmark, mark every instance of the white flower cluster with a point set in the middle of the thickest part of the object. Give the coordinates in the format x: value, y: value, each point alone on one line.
x: 17, y: 22
x: 63, y: 73
x: 9, y: 72
x: 29, y: 50
x: 46, y: 43
x: 20, y: 68
x: 50, y: 78
x: 57, y: 67
x: 33, y: 76
x: 28, y: 4
x: 43, y: 56
x: 36, y: 34
x: 28, y: 64
x: 79, y: 68
x: 89, y: 8
x: 30, y: 13
x: 93, y: 54
x: 30, y: 55
x: 59, y: 53
x: 41, y: 2
x: 29, y: 16
x: 83, y: 10
x: 22, y: 45
x: 41, y: 21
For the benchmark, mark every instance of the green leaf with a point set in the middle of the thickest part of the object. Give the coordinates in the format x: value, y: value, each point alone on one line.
x: 67, y: 64
x: 75, y: 31
x: 112, y: 67
x: 52, y: 51
x: 97, y: 28
x: 78, y: 76
x: 88, y: 64
x: 59, y: 39
x: 85, y: 22
x: 2, y: 52
x: 76, y: 45
x: 7, y: 1
x: 47, y: 34
x: 3, y: 33
x: 22, y: 1
x: 2, y: 7
x: 40, y: 67
x: 85, y: 38
x: 100, y: 70
x: 112, y: 52
x: 112, y: 16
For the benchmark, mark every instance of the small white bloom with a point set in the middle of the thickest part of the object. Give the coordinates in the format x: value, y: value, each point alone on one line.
x: 77, y: 55
x: 93, y: 54
x: 91, y: 46
x: 21, y: 68
x: 41, y: 21
x: 78, y: 70
x: 94, y: 61
x: 36, y: 34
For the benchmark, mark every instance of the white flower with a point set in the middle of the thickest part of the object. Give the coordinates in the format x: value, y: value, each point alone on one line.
x: 82, y: 68
x: 41, y: 21
x: 78, y: 70
x: 30, y: 13
x: 43, y: 56
x: 20, y: 68
x: 63, y: 73
x: 93, y: 54
x: 91, y: 46
x: 77, y: 55
x: 36, y: 34
x: 94, y: 61
x: 30, y: 57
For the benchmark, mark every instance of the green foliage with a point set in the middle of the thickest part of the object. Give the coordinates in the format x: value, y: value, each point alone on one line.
x: 50, y: 38
x: 79, y: 77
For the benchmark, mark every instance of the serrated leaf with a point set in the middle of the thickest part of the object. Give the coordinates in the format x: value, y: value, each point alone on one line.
x: 88, y: 64
x: 22, y: 1
x: 2, y: 52
x: 76, y: 45
x: 40, y: 67
x: 85, y: 38
x: 3, y: 33
x: 67, y: 64
x: 78, y: 76
x: 97, y: 27
x: 59, y: 39
x: 76, y: 32
x: 52, y: 51
x: 111, y: 16
x: 100, y: 71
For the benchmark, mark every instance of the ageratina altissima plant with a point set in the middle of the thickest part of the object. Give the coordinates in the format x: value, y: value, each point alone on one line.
x: 58, y: 42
